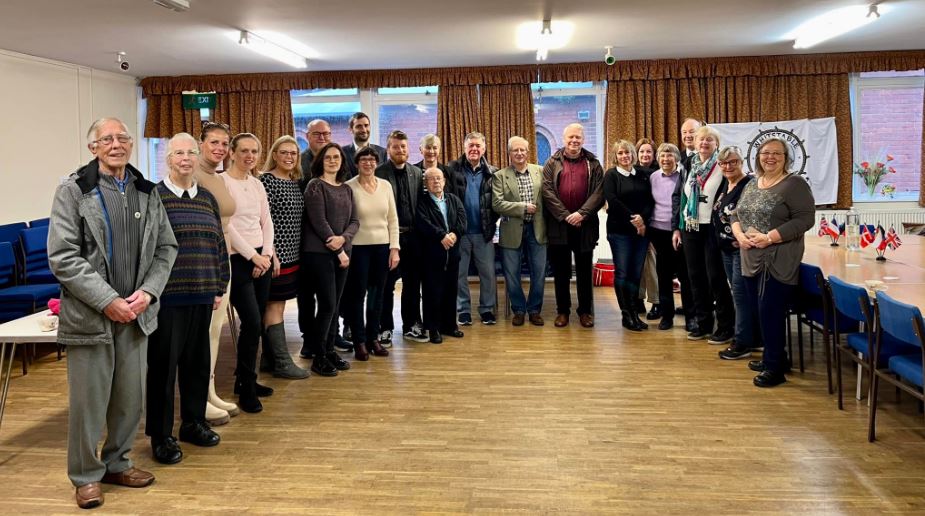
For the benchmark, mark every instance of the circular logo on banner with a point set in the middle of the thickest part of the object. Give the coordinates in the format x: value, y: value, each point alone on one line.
x: 797, y: 150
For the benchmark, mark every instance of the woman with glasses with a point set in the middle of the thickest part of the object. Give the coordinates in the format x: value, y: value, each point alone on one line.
x: 179, y: 348
x: 214, y: 141
x: 331, y: 223
x: 375, y: 253
x: 770, y: 219
x: 281, y: 175
x: 730, y: 190
x: 668, y: 259
x: 250, y: 233
x: 629, y: 209
x: 694, y: 196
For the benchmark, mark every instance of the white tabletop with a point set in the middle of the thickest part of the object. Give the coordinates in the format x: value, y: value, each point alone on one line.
x: 26, y: 329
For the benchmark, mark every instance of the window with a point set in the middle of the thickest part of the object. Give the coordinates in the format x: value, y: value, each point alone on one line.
x: 558, y: 104
x: 886, y: 112
x: 154, y: 156
x: 413, y: 110
x: 333, y: 105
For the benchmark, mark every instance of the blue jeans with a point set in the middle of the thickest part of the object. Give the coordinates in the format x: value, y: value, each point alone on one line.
x: 747, y: 335
x: 475, y: 247
x: 511, y: 260
x: 629, y: 256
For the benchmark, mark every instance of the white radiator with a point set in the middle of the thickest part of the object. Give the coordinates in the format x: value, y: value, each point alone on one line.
x: 883, y: 217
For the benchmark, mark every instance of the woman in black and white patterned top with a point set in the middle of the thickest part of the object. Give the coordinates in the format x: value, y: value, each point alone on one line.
x: 281, y: 176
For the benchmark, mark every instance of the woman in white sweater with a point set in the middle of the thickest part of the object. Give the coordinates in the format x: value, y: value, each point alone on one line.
x: 375, y: 253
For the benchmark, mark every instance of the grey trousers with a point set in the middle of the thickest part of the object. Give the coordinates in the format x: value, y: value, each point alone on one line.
x: 106, y: 387
x: 648, y: 287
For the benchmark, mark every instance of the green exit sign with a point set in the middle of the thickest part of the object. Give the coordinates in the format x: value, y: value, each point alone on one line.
x: 198, y: 100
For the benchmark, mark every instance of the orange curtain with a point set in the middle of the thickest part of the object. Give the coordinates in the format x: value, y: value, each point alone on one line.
x: 266, y: 114
x: 656, y: 109
x: 166, y: 117
x: 457, y: 116
x: 507, y: 110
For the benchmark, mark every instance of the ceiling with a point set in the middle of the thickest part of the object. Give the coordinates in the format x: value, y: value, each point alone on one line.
x: 370, y: 34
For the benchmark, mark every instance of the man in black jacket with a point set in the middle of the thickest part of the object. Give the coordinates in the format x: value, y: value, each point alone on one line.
x: 439, y: 224
x: 359, y: 128
x: 473, y: 176
x: 405, y: 179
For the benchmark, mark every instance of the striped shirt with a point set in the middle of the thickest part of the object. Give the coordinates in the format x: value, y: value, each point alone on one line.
x: 525, y: 189
x: 121, y: 208
x: 200, y: 271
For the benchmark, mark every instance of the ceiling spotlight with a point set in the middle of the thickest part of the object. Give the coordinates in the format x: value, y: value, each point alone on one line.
x: 834, y: 23
x: 272, y: 50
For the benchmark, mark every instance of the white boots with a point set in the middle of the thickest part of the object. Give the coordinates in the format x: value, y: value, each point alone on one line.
x: 218, y: 411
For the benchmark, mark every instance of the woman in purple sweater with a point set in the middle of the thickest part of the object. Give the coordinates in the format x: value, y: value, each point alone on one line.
x: 331, y: 223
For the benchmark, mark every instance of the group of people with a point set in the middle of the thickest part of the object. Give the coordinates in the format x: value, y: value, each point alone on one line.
x: 148, y: 270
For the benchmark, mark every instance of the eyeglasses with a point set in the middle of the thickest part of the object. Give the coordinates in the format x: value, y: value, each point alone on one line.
x: 369, y: 159
x: 287, y: 153
x: 185, y: 153
x: 730, y: 162
x: 316, y: 134
x: 108, y: 139
x: 770, y: 154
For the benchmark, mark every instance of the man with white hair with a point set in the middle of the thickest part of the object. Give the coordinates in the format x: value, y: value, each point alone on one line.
x: 688, y: 128
x: 111, y: 247
x: 517, y: 195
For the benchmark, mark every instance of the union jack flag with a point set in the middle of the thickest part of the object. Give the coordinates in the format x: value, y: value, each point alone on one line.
x: 892, y: 239
x: 826, y: 230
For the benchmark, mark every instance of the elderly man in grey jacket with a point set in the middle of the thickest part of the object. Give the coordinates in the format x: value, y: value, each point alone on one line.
x: 111, y: 246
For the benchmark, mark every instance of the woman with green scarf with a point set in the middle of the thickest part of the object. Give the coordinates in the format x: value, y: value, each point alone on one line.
x: 695, y: 195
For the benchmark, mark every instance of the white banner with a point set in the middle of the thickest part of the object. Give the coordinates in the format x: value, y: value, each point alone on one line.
x: 813, y: 145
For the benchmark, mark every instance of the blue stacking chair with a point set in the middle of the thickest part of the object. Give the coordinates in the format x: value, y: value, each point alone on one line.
x: 18, y: 300
x: 10, y: 233
x: 852, y: 304
x: 902, y: 323
x: 34, y: 243
x: 38, y: 222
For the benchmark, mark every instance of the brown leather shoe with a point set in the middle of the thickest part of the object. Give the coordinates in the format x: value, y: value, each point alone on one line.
x: 587, y: 320
x: 132, y: 477
x: 561, y: 320
x: 89, y: 496
x: 360, y: 352
x: 518, y: 320
x: 536, y: 320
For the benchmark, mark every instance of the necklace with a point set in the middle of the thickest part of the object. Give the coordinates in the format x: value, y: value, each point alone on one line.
x: 766, y: 185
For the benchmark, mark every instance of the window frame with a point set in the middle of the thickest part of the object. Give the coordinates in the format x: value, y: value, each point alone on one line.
x: 857, y: 84
x: 598, y: 89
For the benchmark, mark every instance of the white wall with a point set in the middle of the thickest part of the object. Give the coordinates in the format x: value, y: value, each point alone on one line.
x: 46, y: 108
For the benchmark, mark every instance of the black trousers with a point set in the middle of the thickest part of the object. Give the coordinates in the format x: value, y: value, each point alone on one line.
x: 409, y: 270
x: 560, y: 256
x: 773, y: 298
x: 669, y: 262
x: 439, y: 284
x: 178, y: 351
x: 369, y: 266
x: 708, y: 281
x: 325, y: 280
x: 249, y: 297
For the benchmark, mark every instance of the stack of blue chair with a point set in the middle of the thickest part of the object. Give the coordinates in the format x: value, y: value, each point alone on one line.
x: 20, y: 300
x: 34, y: 243
x: 902, y: 324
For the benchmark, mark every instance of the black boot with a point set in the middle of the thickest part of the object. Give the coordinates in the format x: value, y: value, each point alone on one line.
x: 247, y: 399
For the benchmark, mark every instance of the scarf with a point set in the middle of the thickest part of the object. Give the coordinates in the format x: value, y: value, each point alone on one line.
x: 698, y: 172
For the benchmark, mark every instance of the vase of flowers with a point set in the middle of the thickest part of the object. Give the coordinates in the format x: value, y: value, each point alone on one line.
x: 872, y: 173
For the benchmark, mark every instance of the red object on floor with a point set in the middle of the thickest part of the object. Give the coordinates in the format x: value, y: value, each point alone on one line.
x: 602, y: 274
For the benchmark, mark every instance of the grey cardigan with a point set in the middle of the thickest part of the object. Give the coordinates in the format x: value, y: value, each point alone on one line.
x: 77, y: 244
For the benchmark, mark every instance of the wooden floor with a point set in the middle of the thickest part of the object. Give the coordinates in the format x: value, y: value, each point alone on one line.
x: 529, y: 420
